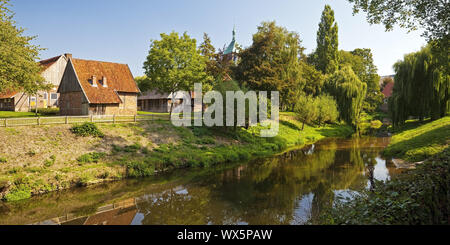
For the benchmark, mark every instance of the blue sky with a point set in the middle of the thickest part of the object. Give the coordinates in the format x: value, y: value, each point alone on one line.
x: 120, y: 31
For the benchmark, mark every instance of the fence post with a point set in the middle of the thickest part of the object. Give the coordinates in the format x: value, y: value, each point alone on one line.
x: 135, y: 118
x: 67, y: 119
x: 153, y: 117
x: 92, y: 118
x: 114, y: 118
x: 39, y: 121
x: 6, y: 123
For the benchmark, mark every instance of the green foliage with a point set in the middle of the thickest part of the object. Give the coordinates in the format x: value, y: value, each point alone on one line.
x: 421, y: 88
x: 87, y: 129
x: 320, y: 110
x: 420, y: 141
x: 361, y: 62
x: 174, y: 64
x: 430, y: 15
x: 18, y: 67
x: 3, y: 160
x: 140, y: 169
x: 18, y: 194
x: 327, y: 108
x: 49, y: 162
x: 349, y: 93
x: 143, y: 83
x: 48, y: 111
x: 214, y: 67
x: 417, y: 197
x: 326, y: 56
x: 92, y: 157
x: 312, y: 79
x: 271, y: 63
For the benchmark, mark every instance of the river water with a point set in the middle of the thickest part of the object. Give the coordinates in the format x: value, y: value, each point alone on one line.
x: 291, y: 188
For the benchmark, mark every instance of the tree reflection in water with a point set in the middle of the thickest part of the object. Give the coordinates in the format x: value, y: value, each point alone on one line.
x: 291, y: 188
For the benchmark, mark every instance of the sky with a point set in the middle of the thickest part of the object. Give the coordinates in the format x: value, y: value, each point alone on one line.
x: 121, y: 30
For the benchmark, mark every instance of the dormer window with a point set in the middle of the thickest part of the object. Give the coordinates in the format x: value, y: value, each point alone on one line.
x: 93, y: 81
x: 104, y: 82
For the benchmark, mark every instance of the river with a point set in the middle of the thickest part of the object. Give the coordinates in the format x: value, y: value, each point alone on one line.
x: 290, y: 188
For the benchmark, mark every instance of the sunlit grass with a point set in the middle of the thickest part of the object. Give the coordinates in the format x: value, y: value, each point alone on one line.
x: 418, y: 141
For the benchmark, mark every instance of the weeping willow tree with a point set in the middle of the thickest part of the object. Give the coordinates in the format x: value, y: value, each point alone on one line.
x: 421, y: 88
x: 349, y: 93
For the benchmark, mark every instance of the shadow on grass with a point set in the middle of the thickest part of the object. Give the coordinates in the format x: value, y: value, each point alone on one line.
x: 290, y: 125
x: 421, y: 146
x: 336, y: 131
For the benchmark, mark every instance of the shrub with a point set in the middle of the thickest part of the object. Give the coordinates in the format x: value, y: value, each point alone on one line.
x: 140, y: 169
x: 18, y: 194
x: 48, y: 111
x: 3, y: 160
x: 87, y: 129
x: 92, y: 157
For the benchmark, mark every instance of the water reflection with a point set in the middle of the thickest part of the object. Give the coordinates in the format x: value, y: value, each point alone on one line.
x: 292, y: 188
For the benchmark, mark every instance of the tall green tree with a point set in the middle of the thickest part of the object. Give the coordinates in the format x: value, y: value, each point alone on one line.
x: 361, y: 62
x: 349, y: 92
x: 326, y: 55
x: 209, y: 52
x: 421, y: 88
x: 271, y: 63
x: 18, y: 67
x: 431, y: 15
x: 174, y: 64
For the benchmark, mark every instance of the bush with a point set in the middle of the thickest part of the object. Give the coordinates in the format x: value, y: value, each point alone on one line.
x: 140, y: 169
x: 48, y: 111
x: 92, y: 157
x: 87, y: 129
x: 3, y: 160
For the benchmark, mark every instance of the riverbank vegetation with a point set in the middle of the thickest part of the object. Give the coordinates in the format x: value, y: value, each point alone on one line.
x: 420, y: 140
x: 34, y: 163
x: 416, y: 197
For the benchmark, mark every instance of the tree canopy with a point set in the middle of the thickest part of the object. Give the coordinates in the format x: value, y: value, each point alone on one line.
x: 421, y: 88
x: 349, y: 92
x: 431, y: 15
x: 361, y: 62
x: 271, y: 63
x: 18, y: 67
x: 174, y: 64
x: 326, y: 55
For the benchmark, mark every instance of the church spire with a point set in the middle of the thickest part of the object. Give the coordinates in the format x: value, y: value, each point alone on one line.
x: 231, y: 48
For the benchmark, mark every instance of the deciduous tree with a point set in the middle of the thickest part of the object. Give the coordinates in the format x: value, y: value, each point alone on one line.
x: 174, y: 64
x: 18, y: 67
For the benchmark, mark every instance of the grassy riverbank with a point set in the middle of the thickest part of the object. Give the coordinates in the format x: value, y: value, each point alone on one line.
x: 42, y: 159
x: 418, y: 196
x: 417, y: 141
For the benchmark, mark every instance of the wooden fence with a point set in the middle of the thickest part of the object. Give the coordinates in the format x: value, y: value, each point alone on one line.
x: 13, y: 122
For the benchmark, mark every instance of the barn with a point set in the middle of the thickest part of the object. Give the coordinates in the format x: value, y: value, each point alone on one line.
x: 90, y: 87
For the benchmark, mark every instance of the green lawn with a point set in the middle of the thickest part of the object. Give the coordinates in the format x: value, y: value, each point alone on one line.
x: 13, y: 114
x: 417, y: 141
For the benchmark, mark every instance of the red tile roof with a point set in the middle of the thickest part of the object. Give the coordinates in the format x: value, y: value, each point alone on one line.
x: 118, y: 76
x: 387, y: 91
x: 7, y: 94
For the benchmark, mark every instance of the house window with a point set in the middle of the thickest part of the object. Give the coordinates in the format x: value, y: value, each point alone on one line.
x: 54, y: 96
x: 45, y: 96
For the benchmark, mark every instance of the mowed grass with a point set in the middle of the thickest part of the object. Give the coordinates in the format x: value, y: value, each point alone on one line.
x: 418, y: 142
x: 14, y: 114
